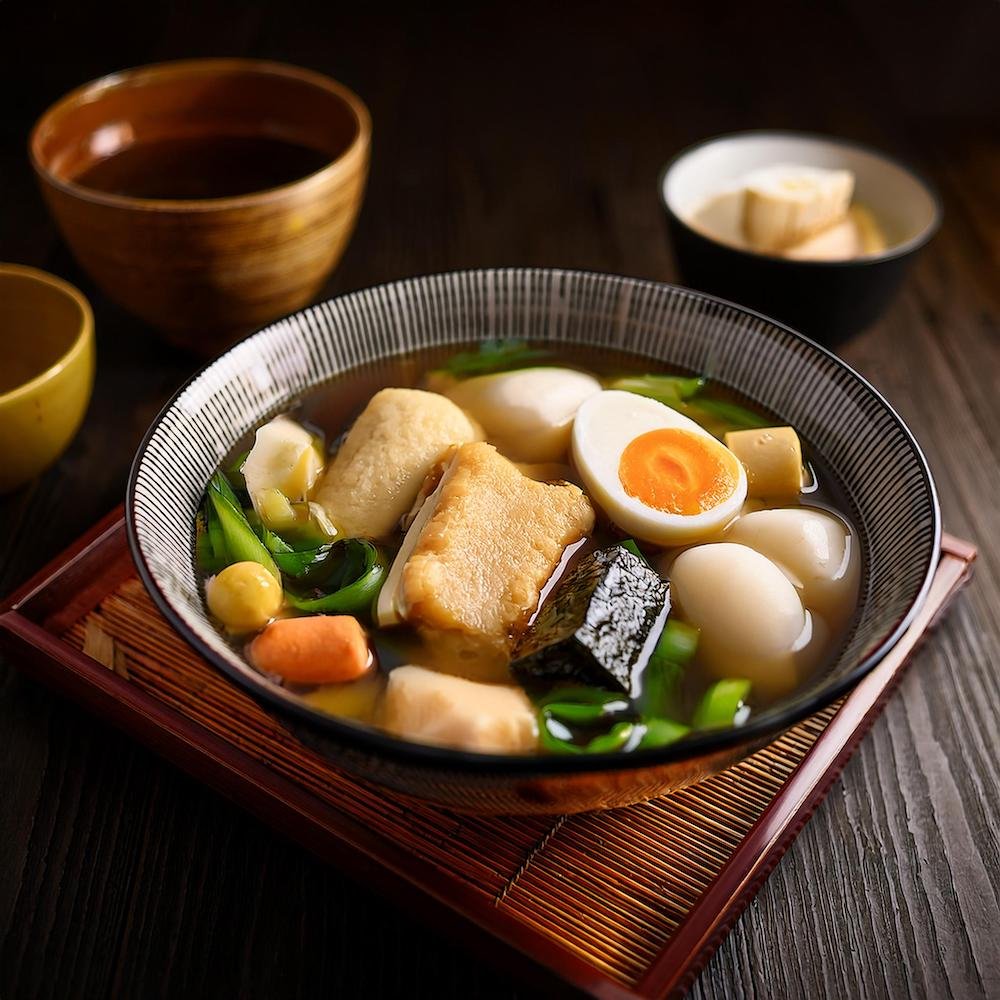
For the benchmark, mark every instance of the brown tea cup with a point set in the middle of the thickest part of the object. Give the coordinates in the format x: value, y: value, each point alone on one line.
x: 120, y: 160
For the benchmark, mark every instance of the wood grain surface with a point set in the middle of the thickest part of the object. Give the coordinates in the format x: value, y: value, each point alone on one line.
x: 526, y: 135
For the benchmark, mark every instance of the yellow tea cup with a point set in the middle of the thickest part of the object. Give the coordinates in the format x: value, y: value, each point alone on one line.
x: 46, y: 370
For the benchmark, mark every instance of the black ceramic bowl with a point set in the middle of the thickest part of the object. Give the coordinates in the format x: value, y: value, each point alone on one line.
x: 828, y: 301
x: 844, y: 419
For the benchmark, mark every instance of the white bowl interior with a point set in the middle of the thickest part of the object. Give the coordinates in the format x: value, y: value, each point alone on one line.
x: 904, y: 207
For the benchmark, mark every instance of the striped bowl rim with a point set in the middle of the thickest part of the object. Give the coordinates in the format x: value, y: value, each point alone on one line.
x: 185, y: 619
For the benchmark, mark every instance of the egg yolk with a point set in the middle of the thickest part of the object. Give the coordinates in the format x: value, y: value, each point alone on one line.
x: 676, y: 471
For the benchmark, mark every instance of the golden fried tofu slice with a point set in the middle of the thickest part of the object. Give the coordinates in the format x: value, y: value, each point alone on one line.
x: 487, y: 546
x: 375, y: 476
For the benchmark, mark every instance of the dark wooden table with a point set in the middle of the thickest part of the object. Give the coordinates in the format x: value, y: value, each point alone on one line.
x: 527, y: 135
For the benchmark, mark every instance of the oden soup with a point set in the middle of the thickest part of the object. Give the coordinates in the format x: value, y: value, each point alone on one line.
x: 512, y: 549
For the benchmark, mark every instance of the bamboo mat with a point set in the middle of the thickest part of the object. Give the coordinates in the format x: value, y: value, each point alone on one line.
x: 610, y: 887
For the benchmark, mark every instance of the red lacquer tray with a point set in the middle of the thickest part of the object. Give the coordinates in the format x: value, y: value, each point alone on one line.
x: 628, y: 903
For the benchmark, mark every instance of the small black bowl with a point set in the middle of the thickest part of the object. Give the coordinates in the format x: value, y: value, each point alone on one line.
x: 828, y: 301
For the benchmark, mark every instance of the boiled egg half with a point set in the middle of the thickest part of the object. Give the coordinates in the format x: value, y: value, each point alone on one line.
x: 658, y: 475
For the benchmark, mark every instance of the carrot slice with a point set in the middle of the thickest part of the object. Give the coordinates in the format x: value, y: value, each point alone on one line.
x: 321, y: 649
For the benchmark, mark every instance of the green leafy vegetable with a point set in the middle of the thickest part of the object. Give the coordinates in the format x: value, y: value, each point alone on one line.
x: 720, y: 703
x: 661, y: 732
x: 237, y: 540
x: 580, y: 706
x: 662, y: 676
x: 616, y: 738
x: 581, y: 695
x: 732, y: 415
x: 556, y: 737
x: 575, y: 714
x: 677, y: 643
x: 356, y: 570
x: 234, y: 473
x: 220, y: 482
x: 583, y: 712
x: 668, y: 389
x: 312, y: 528
x: 307, y: 567
x: 274, y: 542
x: 491, y: 356
x: 562, y: 712
x: 307, y: 561
x: 208, y: 535
x: 683, y: 394
x: 215, y: 535
x: 630, y: 545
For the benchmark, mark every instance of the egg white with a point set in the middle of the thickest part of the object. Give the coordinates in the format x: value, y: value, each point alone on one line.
x: 751, y: 619
x: 605, y: 425
x: 815, y: 550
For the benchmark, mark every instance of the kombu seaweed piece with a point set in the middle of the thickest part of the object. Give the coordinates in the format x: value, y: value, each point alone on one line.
x: 600, y: 625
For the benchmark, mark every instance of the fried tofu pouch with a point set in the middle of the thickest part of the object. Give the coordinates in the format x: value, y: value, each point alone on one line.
x: 494, y: 538
x: 395, y: 442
